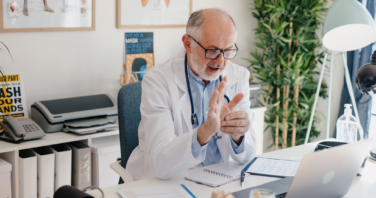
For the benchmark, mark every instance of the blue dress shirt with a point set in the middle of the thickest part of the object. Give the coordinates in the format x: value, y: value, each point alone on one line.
x: 201, y: 95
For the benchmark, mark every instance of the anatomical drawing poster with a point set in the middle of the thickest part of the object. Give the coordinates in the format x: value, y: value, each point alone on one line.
x: 154, y: 12
x: 29, y: 14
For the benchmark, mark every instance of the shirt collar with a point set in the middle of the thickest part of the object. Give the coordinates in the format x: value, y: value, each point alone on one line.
x: 196, y: 78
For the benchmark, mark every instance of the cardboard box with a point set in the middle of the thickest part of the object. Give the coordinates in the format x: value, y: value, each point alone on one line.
x: 105, y: 151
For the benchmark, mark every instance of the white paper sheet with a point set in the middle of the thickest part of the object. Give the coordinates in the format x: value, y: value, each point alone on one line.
x: 168, y: 191
x: 274, y: 167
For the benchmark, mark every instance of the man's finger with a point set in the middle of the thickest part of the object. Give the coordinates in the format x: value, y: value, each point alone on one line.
x: 221, y: 89
x: 235, y: 101
x: 212, y: 111
x: 238, y: 130
x: 236, y: 115
x: 236, y: 122
x: 214, y: 97
x: 228, y: 133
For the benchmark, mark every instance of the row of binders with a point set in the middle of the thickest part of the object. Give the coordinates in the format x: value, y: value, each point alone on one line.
x: 43, y: 170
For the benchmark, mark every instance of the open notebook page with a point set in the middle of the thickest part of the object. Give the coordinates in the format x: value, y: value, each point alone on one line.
x: 217, y: 175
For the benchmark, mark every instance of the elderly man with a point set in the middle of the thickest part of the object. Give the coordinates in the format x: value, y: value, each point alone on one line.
x: 195, y: 107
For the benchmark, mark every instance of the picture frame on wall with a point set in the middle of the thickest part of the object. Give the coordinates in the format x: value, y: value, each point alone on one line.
x: 47, y: 15
x: 153, y: 13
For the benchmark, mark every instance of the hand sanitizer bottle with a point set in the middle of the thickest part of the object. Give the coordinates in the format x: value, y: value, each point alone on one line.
x: 347, y: 126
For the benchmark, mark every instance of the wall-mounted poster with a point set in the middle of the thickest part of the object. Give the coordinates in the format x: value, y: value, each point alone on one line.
x: 46, y: 15
x: 139, y: 53
x: 12, y: 96
x: 153, y: 13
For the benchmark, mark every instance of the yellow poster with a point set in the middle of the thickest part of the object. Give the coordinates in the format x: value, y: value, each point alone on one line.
x: 12, y: 96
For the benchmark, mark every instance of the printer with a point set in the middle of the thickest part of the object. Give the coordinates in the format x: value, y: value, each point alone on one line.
x: 82, y: 115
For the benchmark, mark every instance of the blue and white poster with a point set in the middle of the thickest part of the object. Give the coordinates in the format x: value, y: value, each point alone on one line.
x: 139, y: 53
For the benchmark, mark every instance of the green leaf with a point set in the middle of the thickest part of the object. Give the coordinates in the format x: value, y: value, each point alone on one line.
x: 284, y: 64
x: 299, y: 80
x: 1, y: 71
x: 8, y: 50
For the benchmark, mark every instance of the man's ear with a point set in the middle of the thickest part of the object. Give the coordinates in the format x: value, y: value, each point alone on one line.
x: 187, y: 43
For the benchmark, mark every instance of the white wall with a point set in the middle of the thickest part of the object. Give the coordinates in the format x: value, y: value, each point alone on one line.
x: 68, y: 64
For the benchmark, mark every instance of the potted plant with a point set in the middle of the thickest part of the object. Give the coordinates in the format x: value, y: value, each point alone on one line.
x: 285, y: 63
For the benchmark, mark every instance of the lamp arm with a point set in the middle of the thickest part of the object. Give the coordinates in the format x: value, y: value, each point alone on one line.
x: 316, y: 97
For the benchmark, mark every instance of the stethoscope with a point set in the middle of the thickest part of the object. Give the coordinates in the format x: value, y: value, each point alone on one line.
x: 194, y: 115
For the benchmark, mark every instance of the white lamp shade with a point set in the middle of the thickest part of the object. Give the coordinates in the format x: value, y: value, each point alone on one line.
x: 348, y: 26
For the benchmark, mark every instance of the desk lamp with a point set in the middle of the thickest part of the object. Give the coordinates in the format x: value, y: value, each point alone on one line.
x: 365, y: 81
x: 348, y: 26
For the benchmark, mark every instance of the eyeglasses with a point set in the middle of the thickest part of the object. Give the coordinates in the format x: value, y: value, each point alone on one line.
x: 215, y: 53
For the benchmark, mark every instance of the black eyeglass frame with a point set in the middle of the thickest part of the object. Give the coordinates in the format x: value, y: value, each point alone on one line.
x: 220, y: 51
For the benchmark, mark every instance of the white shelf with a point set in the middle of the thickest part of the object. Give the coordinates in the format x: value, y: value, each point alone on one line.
x: 10, y: 151
x: 52, y: 138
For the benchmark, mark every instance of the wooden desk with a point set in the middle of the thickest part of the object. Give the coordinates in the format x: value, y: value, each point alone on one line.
x: 364, y: 186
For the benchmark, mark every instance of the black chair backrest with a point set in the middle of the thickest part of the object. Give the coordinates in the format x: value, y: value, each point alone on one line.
x: 129, y: 100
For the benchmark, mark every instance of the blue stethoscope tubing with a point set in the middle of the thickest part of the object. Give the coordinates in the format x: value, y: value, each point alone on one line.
x: 194, y: 115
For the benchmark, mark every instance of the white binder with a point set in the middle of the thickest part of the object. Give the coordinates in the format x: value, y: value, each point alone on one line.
x: 46, y: 171
x: 28, y: 174
x: 63, y: 165
x: 81, y: 153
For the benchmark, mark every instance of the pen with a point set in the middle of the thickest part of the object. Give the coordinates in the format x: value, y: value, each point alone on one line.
x: 242, y: 178
x: 242, y: 174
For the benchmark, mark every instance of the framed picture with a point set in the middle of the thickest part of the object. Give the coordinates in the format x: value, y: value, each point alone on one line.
x: 47, y: 15
x: 153, y: 13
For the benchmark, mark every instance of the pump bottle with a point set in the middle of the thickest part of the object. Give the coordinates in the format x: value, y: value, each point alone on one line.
x: 347, y: 126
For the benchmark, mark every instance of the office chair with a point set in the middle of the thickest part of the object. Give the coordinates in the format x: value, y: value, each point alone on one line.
x: 129, y: 100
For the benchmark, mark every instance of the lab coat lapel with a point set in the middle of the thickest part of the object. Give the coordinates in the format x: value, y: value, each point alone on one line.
x: 184, y: 103
x: 232, y: 78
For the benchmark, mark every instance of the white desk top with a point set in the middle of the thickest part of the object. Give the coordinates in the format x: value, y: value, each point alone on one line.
x: 364, y: 186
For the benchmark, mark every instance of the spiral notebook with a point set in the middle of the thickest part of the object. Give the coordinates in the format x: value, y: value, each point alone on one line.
x: 217, y: 175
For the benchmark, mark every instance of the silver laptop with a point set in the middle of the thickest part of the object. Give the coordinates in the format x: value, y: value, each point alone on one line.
x: 324, y: 174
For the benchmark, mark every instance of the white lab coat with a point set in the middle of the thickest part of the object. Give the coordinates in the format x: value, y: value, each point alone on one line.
x: 165, y: 131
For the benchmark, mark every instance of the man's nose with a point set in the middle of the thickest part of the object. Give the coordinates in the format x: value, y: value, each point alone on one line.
x: 220, y: 59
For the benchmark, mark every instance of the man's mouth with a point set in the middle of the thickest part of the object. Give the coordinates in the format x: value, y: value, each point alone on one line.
x: 213, y: 69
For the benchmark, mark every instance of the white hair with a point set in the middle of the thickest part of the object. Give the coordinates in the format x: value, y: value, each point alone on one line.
x: 196, y: 20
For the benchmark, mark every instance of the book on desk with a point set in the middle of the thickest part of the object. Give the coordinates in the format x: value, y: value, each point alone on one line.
x: 224, y: 173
